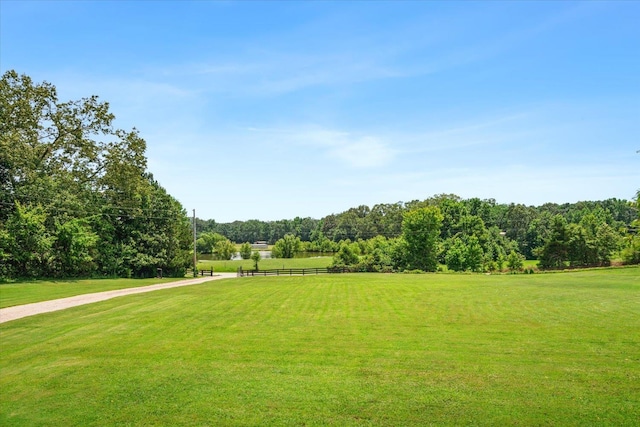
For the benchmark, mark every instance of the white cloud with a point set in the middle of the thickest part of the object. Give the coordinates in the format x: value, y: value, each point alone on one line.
x: 367, y: 152
x: 281, y: 72
x: 355, y: 151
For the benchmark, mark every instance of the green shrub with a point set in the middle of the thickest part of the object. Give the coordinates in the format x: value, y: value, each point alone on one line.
x: 345, y: 256
x: 631, y: 254
x: 245, y: 250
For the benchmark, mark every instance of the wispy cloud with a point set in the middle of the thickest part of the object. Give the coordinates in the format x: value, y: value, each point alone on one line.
x: 364, y: 152
x: 277, y: 72
x: 353, y: 150
x: 475, y: 132
x: 282, y: 65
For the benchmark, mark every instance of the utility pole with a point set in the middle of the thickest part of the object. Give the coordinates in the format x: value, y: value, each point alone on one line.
x: 195, y: 256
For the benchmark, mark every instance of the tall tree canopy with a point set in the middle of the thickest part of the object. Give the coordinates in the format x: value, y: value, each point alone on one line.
x: 420, y: 231
x: 82, y: 189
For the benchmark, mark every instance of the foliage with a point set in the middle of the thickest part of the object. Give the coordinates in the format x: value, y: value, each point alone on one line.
x: 515, y: 261
x: 255, y: 230
x: 320, y: 243
x: 255, y: 257
x: 224, y: 249
x: 207, y: 241
x: 631, y: 253
x: 587, y: 243
x: 79, y: 189
x: 555, y: 251
x: 631, y: 247
x: 346, y: 256
x: 378, y: 255
x: 286, y: 247
x: 475, y: 255
x: 498, y: 228
x: 26, y: 243
x: 465, y: 253
x: 420, y: 231
x: 74, y: 249
x: 245, y: 250
x: 455, y: 258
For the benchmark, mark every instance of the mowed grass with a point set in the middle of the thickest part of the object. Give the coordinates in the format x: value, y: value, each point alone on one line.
x: 552, y: 349
x: 265, y: 264
x: 18, y: 293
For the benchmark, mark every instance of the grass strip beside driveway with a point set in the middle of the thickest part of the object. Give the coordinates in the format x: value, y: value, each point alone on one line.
x: 19, y: 293
x: 17, y: 312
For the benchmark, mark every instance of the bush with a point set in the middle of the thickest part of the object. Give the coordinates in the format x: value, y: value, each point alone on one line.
x: 345, y: 256
x: 515, y: 261
x: 245, y: 250
x: 286, y: 247
x: 631, y: 254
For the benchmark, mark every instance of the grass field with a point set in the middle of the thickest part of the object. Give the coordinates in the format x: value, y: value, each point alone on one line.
x: 43, y: 290
x: 546, y: 349
x: 266, y: 264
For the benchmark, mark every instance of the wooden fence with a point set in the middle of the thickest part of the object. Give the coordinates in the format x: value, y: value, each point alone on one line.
x: 292, y: 271
x: 200, y: 272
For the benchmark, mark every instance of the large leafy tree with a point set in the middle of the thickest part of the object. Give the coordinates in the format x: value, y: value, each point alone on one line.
x: 52, y: 152
x: 287, y: 247
x: 555, y: 251
x: 224, y: 249
x: 345, y: 256
x: 64, y: 167
x: 420, y: 231
x: 207, y: 242
x: 515, y: 221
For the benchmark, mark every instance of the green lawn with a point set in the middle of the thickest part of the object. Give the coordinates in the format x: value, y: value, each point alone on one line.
x: 43, y: 290
x: 266, y: 264
x: 395, y: 350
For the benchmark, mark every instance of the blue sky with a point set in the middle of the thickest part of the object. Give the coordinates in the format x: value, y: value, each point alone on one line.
x: 272, y: 110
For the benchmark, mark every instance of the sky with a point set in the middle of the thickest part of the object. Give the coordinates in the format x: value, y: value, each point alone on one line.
x: 272, y: 110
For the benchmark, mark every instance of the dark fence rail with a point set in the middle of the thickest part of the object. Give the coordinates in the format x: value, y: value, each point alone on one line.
x: 292, y: 271
x: 200, y: 272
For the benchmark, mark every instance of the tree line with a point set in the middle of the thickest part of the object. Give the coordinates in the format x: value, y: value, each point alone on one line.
x: 76, y: 198
x: 465, y: 234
